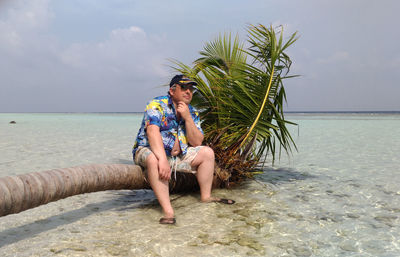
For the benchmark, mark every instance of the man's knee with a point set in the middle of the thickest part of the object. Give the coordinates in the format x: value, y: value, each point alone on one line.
x: 207, y: 153
x: 151, y: 161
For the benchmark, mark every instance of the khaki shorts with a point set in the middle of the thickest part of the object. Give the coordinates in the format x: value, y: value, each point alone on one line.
x: 177, y: 163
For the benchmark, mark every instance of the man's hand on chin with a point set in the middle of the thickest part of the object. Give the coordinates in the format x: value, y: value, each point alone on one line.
x: 183, y: 110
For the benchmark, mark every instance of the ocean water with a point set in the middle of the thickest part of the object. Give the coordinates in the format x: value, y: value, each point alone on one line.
x: 339, y: 195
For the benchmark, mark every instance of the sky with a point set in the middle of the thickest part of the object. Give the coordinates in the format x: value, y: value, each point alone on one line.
x: 114, y: 56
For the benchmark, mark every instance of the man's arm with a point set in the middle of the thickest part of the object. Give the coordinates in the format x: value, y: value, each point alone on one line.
x: 193, y: 134
x: 157, y: 147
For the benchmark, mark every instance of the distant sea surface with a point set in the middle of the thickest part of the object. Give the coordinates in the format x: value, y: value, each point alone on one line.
x: 338, y: 195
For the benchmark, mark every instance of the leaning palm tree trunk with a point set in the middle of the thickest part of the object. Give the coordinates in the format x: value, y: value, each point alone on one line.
x: 22, y: 192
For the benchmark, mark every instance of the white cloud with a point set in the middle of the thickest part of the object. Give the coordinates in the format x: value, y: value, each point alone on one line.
x: 23, y: 24
x: 126, y: 52
x: 27, y: 15
x: 128, y: 34
x: 338, y: 56
x: 38, y: 70
x: 34, y: 15
x: 24, y: 34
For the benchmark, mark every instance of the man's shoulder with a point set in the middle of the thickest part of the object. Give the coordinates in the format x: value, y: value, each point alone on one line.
x: 158, y: 100
x: 161, y: 98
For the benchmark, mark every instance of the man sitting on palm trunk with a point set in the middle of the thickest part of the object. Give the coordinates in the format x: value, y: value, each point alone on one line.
x: 169, y: 139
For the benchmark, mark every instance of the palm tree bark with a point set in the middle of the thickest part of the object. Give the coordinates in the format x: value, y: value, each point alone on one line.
x: 22, y: 192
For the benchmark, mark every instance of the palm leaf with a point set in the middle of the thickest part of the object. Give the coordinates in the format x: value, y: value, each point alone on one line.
x: 240, y: 96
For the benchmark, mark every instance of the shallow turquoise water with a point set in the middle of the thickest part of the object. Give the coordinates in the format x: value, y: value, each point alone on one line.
x: 47, y: 141
x: 341, y: 190
x: 339, y: 195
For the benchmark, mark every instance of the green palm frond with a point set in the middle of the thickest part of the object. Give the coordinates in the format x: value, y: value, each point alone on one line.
x: 240, y: 97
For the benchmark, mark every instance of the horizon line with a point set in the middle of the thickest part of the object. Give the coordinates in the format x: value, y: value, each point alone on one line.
x: 330, y: 111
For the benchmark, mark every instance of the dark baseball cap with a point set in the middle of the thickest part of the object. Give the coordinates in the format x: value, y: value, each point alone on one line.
x: 182, y: 80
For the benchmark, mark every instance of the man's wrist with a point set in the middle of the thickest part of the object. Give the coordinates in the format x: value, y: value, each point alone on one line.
x: 162, y: 158
x: 188, y: 117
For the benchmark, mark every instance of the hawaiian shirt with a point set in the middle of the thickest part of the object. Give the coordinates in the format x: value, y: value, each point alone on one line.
x: 161, y: 112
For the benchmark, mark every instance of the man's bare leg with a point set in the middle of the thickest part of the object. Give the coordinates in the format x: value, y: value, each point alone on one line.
x: 160, y: 187
x: 204, y: 161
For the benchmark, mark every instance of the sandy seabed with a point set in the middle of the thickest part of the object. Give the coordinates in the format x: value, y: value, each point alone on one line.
x: 125, y: 223
x: 338, y: 195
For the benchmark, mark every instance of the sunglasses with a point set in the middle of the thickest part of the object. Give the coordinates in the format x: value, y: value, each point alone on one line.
x: 187, y: 86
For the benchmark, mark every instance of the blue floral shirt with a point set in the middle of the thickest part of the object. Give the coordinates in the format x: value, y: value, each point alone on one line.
x: 161, y: 112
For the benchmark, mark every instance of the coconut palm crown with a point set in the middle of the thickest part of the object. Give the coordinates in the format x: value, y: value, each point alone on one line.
x: 240, y: 98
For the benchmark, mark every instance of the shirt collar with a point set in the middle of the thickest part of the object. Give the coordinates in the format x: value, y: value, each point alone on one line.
x: 170, y: 100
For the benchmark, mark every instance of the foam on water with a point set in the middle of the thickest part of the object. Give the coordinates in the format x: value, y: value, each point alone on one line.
x: 338, y: 196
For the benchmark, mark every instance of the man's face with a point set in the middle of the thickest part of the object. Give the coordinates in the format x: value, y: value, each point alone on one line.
x: 182, y: 93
